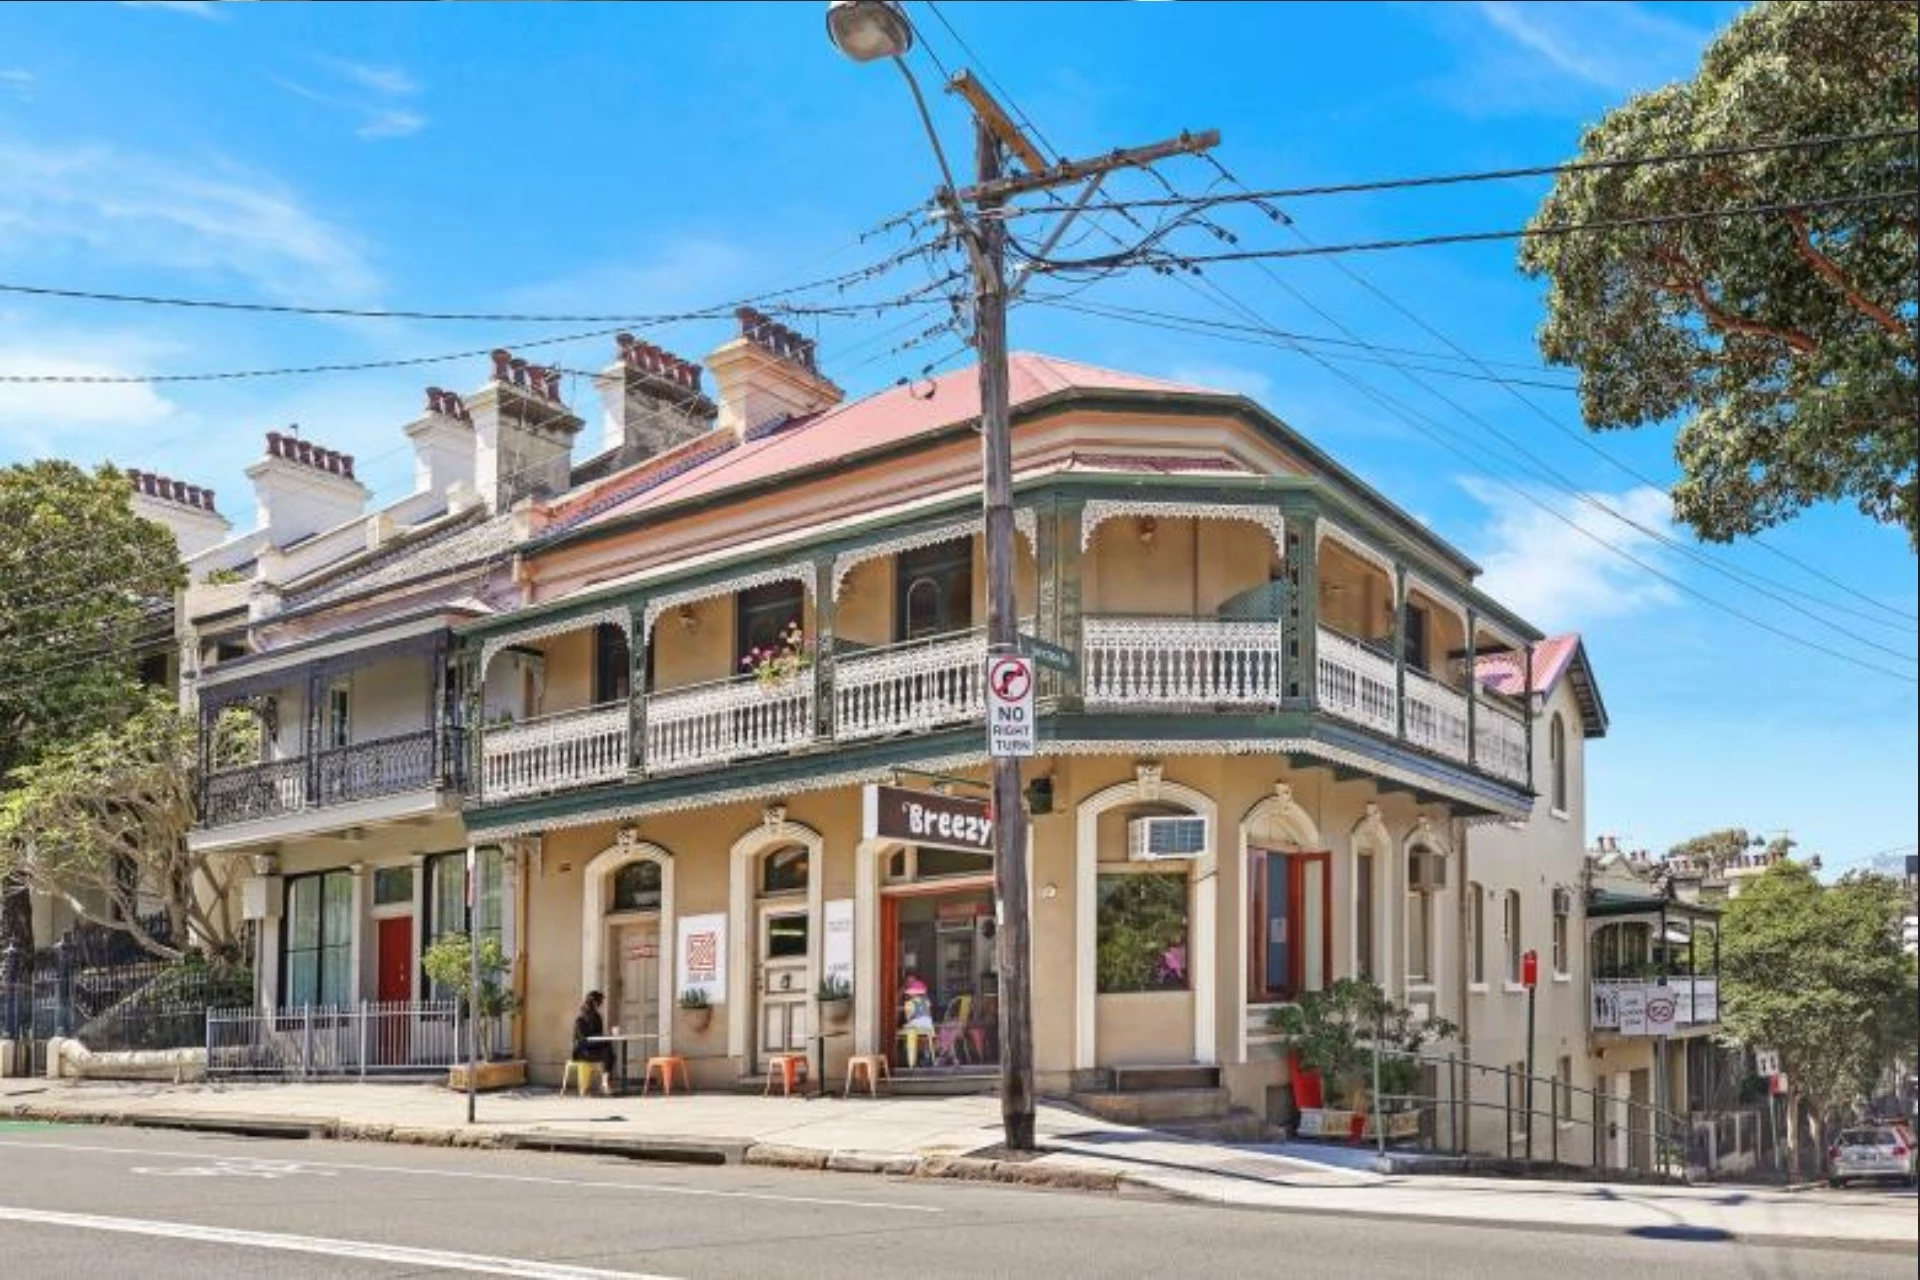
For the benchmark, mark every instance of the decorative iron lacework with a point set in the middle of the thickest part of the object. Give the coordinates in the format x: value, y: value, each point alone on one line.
x: 943, y: 764
x: 1101, y: 510
x: 800, y: 571
x: 1025, y: 521
x: 1355, y: 546
x: 733, y: 795
x: 613, y: 617
x: 640, y: 484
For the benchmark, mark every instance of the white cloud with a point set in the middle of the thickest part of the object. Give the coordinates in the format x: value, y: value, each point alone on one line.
x: 1557, y: 572
x: 198, y: 8
x: 1251, y: 383
x: 392, y: 124
x: 393, y: 81
x: 96, y: 204
x: 17, y: 83
x: 70, y: 418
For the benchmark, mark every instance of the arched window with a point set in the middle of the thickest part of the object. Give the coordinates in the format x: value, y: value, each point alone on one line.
x: 1557, y: 758
x: 784, y: 870
x: 636, y: 887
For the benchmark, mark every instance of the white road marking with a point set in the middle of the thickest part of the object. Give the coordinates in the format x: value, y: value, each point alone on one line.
x: 226, y: 1167
x: 359, y: 1250
x: 649, y: 1188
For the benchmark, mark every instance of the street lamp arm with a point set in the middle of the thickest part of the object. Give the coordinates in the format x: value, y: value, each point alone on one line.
x: 926, y: 119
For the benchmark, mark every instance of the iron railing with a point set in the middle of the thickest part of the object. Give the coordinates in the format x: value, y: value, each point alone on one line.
x: 427, y: 758
x: 368, y: 1038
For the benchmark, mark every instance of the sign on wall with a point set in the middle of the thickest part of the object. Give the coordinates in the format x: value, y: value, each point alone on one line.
x: 703, y: 956
x: 927, y: 818
x: 836, y: 957
x: 1632, y: 1003
x: 1663, y: 1011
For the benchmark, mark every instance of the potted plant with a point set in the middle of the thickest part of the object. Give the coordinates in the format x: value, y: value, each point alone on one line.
x: 1333, y: 1034
x: 695, y: 1008
x: 449, y: 963
x: 781, y: 661
x: 836, y: 1000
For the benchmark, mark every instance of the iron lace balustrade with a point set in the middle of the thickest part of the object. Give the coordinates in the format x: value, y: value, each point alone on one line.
x: 911, y: 687
x: 1140, y: 662
x: 269, y: 790
x: 555, y: 753
x: 425, y: 760
x: 711, y: 724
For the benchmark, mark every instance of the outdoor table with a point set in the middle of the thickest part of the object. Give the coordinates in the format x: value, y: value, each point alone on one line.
x: 623, y: 1041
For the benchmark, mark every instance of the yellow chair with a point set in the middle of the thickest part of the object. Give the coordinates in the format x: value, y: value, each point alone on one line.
x: 582, y: 1069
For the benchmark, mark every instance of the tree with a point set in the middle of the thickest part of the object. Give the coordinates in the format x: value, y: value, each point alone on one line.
x: 449, y: 963
x: 1816, y: 974
x: 1784, y: 339
x: 1716, y: 849
x: 82, y: 580
x: 102, y: 823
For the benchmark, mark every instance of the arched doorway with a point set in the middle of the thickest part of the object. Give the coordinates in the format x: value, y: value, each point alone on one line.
x: 775, y: 926
x: 626, y: 938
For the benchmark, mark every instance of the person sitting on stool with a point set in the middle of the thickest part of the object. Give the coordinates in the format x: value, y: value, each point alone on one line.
x: 586, y: 1025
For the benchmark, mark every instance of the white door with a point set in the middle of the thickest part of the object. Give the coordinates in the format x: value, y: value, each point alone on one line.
x: 785, y: 943
x: 636, y: 998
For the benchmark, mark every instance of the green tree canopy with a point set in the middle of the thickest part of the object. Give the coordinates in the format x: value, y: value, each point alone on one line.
x: 1784, y: 340
x: 83, y: 581
x: 1817, y: 974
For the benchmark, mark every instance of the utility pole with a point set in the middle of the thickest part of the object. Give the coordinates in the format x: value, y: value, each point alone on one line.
x: 866, y: 31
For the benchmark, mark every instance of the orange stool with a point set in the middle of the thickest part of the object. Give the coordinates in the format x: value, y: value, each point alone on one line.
x: 873, y: 1066
x: 666, y: 1065
x: 788, y: 1068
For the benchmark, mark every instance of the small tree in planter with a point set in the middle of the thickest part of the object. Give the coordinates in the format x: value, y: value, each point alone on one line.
x: 696, y: 1008
x: 1334, y: 1032
x: 449, y: 964
x: 836, y: 1000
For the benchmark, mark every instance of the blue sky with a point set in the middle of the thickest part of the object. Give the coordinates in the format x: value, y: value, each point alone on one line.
x: 648, y: 158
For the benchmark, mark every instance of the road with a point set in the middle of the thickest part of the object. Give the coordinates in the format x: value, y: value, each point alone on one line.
x: 100, y: 1202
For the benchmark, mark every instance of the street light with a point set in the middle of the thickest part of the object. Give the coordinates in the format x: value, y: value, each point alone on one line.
x: 866, y: 31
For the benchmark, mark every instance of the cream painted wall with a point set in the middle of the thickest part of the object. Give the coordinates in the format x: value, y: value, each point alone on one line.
x: 1188, y: 569
x: 390, y: 698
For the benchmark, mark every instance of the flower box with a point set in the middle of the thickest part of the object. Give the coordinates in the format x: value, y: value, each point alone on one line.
x: 488, y: 1075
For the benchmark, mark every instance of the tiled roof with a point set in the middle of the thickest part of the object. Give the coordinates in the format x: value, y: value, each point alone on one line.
x: 890, y: 417
x: 1554, y: 659
x: 467, y: 539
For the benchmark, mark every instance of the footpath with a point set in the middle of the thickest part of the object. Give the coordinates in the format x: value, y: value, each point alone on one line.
x: 958, y: 1137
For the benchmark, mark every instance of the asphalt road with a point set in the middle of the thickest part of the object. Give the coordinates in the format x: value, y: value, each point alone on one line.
x: 102, y: 1202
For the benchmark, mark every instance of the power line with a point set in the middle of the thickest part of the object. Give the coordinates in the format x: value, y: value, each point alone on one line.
x: 1173, y: 261
x: 1250, y: 196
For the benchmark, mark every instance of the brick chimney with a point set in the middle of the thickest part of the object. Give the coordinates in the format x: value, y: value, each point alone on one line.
x: 523, y: 433
x: 301, y: 488
x: 767, y: 375
x: 650, y: 401
x: 443, y: 445
x: 186, y: 510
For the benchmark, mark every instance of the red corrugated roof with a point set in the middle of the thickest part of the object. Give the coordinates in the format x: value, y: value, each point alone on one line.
x: 1553, y: 660
x: 887, y: 418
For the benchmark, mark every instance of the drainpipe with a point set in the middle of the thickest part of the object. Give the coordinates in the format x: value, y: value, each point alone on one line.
x: 1459, y: 834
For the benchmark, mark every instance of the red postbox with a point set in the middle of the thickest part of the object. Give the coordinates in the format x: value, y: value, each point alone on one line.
x: 1530, y: 969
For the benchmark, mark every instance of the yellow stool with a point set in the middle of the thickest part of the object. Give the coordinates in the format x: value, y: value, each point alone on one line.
x: 873, y: 1066
x: 666, y: 1065
x: 913, y: 1037
x: 583, y: 1070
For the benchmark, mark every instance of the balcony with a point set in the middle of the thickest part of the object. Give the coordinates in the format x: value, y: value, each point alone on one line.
x: 714, y: 724
x: 1500, y: 743
x: 1134, y: 663
x: 1697, y: 1000
x: 556, y: 752
x: 911, y: 687
x: 410, y: 762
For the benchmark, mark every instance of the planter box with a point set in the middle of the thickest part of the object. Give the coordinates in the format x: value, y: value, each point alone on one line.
x: 489, y: 1075
x: 1328, y: 1122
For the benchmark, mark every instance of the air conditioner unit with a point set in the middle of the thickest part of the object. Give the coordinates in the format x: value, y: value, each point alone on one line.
x: 1562, y: 902
x: 1166, y: 839
x: 1426, y: 870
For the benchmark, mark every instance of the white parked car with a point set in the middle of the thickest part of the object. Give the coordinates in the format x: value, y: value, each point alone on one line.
x: 1877, y: 1151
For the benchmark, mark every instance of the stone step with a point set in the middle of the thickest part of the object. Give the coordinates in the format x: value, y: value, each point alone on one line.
x: 1170, y: 1076
x: 1239, y: 1125
x: 1156, y: 1107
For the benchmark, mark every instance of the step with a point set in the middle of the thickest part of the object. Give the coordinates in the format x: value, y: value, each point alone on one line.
x: 1170, y: 1076
x: 1240, y: 1124
x: 1156, y: 1107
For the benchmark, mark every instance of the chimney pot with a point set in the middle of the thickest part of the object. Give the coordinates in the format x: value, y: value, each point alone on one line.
x: 502, y: 365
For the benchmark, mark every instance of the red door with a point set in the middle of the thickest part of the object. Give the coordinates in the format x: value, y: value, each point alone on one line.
x: 396, y: 960
x: 390, y: 1037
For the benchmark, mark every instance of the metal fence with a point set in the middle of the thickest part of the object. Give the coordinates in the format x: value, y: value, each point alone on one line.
x: 369, y: 1038
x: 146, y: 1004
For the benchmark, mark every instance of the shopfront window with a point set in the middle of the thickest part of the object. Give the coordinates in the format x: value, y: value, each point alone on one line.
x: 447, y: 898
x: 1142, y: 933
x: 319, y: 939
x: 943, y: 942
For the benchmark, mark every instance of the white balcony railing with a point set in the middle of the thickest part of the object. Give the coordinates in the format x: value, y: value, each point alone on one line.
x: 1356, y: 683
x: 1181, y: 662
x: 1696, y: 1000
x: 728, y: 720
x: 1436, y: 716
x: 554, y: 753
x: 1500, y: 743
x: 911, y: 687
